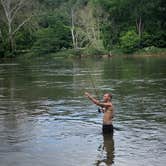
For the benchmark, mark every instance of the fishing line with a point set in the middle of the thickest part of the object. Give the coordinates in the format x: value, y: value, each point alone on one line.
x: 93, y: 85
x: 92, y: 81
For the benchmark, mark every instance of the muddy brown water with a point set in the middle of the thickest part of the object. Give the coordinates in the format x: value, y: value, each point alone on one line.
x: 45, y: 120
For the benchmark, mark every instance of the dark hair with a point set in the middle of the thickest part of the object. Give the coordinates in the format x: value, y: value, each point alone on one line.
x: 110, y: 95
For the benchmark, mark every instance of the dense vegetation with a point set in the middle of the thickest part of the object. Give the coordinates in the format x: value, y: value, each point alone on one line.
x: 47, y: 26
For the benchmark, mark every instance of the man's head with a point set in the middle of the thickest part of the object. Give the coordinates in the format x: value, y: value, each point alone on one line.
x: 107, y: 97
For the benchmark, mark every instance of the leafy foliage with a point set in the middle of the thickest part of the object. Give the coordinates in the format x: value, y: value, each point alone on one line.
x: 98, y: 24
x: 147, y: 17
x: 53, y: 35
x: 129, y: 41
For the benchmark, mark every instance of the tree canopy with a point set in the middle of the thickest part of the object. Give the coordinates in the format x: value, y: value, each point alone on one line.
x: 46, y: 26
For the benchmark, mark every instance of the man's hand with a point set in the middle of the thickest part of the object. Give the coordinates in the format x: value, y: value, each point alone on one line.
x: 87, y: 94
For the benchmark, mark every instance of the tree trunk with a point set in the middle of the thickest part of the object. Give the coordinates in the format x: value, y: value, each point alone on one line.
x: 73, y: 29
x: 11, y: 44
x: 139, y: 26
x: 10, y: 38
x: 10, y: 11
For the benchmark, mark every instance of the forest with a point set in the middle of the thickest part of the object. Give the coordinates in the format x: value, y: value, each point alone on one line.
x: 42, y: 27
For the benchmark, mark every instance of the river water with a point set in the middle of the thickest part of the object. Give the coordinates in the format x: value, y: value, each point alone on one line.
x: 45, y: 120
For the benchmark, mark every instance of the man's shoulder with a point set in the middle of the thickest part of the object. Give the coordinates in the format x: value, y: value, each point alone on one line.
x: 108, y: 104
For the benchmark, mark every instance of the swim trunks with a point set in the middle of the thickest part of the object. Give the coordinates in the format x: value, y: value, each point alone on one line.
x: 108, y: 129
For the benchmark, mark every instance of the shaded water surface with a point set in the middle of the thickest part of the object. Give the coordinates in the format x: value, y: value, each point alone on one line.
x: 45, y: 120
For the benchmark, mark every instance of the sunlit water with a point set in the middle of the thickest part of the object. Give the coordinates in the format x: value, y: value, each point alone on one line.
x: 45, y: 120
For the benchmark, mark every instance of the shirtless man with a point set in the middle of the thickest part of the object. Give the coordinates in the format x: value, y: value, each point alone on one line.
x: 107, y: 109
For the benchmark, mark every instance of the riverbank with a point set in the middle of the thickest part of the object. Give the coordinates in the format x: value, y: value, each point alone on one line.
x: 145, y: 52
x: 151, y: 52
x: 94, y: 53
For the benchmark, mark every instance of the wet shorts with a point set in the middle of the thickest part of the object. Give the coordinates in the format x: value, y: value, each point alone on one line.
x: 108, y: 129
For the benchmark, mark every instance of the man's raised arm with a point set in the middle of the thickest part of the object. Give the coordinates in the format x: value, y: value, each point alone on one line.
x: 97, y: 102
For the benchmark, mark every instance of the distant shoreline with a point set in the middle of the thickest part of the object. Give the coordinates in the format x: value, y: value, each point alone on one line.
x: 95, y: 53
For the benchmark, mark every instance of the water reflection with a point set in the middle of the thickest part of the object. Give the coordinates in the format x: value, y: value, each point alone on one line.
x: 106, y: 150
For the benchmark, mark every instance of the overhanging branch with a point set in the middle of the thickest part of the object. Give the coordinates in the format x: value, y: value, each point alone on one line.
x: 20, y: 25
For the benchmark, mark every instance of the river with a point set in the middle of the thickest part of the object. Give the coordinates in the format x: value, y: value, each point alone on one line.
x: 45, y: 120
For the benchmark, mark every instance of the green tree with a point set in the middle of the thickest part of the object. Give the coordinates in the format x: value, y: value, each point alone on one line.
x: 129, y: 41
x: 54, y: 34
x: 15, y: 14
x: 147, y: 17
